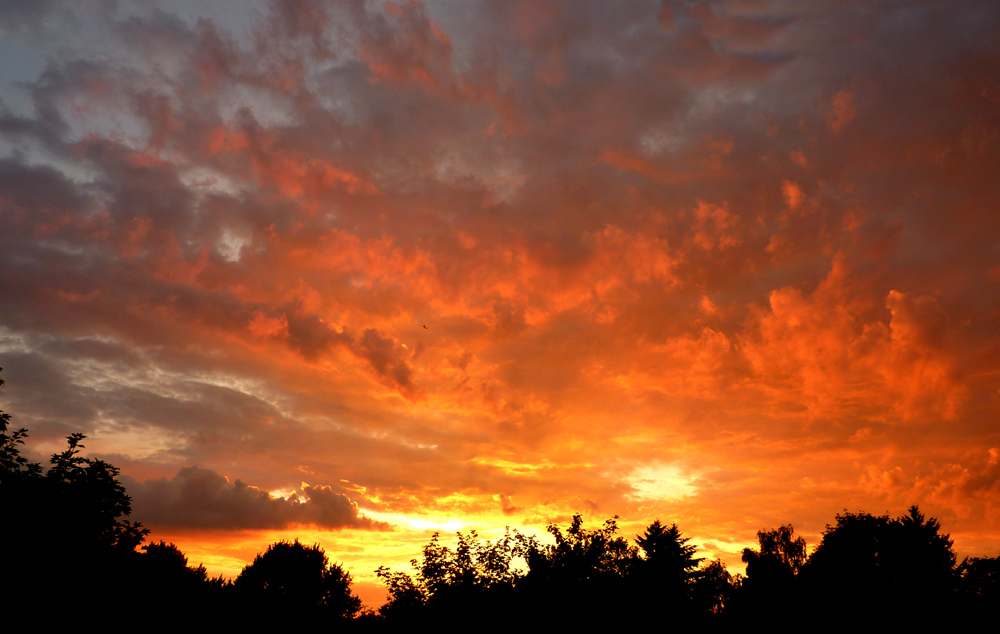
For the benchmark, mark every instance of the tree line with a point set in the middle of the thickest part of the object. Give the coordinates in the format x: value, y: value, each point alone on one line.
x: 68, y: 543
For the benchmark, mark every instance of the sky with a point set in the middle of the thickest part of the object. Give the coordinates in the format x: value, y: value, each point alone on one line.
x: 356, y: 272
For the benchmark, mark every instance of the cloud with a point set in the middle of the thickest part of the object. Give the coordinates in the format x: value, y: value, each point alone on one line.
x: 202, y: 498
x: 922, y: 365
x: 831, y: 345
x: 793, y: 194
x: 507, y: 505
x: 441, y: 250
x: 965, y: 489
x: 23, y: 18
x: 842, y: 110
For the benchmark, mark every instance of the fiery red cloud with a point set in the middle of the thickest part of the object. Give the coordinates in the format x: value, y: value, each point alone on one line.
x: 368, y: 269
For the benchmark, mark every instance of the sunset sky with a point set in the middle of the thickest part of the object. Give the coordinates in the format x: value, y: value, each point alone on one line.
x: 355, y: 272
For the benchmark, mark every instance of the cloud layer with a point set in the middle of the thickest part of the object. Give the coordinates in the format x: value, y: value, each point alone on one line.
x: 729, y: 263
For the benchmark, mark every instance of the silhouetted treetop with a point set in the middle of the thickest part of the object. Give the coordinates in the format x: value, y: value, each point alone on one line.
x: 450, y: 583
x: 978, y: 580
x: 903, y: 566
x: 667, y: 574
x: 772, y: 572
x: 70, y: 515
x: 78, y: 498
x: 780, y: 552
x: 580, y: 555
x: 667, y: 551
x: 94, y: 497
x: 290, y: 576
x: 13, y: 465
x: 715, y: 588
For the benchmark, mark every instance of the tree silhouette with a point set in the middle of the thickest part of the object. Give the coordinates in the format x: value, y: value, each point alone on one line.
x: 582, y: 569
x: 184, y: 593
x: 14, y: 466
x: 407, y: 599
x: 780, y: 554
x: 715, y: 588
x: 72, y: 513
x: 454, y: 585
x: 474, y: 563
x: 92, y: 500
x: 666, y: 575
x: 167, y: 567
x: 918, y: 550
x: 665, y: 550
x: 978, y: 580
x: 901, y: 568
x: 291, y: 578
x: 771, y: 572
x: 581, y: 556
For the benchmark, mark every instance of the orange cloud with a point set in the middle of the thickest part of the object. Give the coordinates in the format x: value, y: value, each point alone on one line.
x: 793, y: 194
x: 842, y: 110
x: 476, y: 264
x: 826, y: 344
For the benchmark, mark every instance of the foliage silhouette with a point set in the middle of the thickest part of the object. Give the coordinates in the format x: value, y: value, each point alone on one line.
x: 978, y: 585
x: 771, y: 572
x: 74, y: 512
x: 451, y: 585
x: 165, y: 565
x: 581, y: 556
x: 715, y: 588
x: 667, y: 574
x: 780, y: 554
x: 584, y: 568
x: 574, y: 581
x: 865, y: 564
x: 162, y: 571
x: 407, y: 599
x: 14, y: 466
x: 92, y: 499
x: 291, y: 578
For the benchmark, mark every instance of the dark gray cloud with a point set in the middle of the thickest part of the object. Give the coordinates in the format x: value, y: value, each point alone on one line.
x: 201, y: 498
